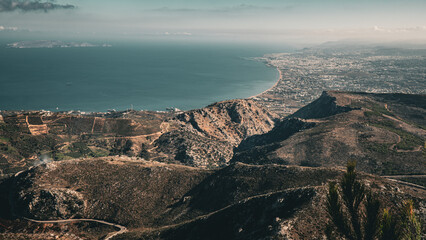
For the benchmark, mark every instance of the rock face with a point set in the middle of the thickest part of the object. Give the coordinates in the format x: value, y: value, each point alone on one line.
x: 206, y: 137
x: 230, y: 121
x: 246, y: 151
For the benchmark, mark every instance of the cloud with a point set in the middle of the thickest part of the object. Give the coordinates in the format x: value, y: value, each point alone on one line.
x: 31, y: 5
x: 177, y: 34
x: 399, y: 30
x: 248, y: 7
x: 3, y: 28
x: 236, y: 8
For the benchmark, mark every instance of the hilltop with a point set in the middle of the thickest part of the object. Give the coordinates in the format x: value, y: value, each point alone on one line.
x: 380, y: 131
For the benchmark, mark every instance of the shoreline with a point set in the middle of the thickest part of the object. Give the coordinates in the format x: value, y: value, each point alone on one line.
x: 271, y: 88
x: 280, y: 76
x: 82, y: 112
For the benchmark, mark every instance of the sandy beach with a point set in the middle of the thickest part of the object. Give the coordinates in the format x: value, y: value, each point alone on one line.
x: 271, y: 88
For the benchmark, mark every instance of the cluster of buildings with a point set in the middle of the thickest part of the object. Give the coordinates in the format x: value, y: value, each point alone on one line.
x: 309, y: 72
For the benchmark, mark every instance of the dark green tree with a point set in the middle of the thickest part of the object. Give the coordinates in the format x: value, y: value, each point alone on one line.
x: 345, y: 208
x: 355, y: 213
x: 372, y: 216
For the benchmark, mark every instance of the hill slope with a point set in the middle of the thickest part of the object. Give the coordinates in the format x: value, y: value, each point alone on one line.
x: 203, y: 137
x: 167, y: 201
x: 181, y: 182
x: 380, y: 131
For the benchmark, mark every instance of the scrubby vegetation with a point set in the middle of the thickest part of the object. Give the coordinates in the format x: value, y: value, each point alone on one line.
x: 408, y: 141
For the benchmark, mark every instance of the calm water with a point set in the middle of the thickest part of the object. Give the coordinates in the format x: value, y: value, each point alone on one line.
x: 147, y: 76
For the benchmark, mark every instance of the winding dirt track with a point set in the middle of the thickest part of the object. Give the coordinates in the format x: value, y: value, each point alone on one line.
x: 122, y: 230
x: 404, y: 176
x: 396, y: 177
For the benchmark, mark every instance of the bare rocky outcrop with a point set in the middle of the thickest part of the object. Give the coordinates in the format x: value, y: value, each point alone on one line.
x: 230, y: 121
x: 255, y: 149
x: 206, y: 137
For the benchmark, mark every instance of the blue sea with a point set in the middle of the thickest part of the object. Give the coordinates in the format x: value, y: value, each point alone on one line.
x: 145, y: 76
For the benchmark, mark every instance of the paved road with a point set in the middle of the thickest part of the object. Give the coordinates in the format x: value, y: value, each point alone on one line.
x: 122, y: 230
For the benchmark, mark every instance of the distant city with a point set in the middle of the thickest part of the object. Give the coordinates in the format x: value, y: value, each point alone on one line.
x: 309, y: 72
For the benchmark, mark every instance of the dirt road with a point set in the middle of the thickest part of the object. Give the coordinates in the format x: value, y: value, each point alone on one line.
x: 123, y: 229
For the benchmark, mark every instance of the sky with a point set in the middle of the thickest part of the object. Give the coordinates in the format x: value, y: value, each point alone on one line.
x: 257, y: 20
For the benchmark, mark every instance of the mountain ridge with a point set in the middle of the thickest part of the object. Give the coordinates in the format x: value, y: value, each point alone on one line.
x: 232, y: 166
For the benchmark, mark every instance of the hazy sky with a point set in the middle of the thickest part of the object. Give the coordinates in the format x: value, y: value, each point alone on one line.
x: 249, y: 19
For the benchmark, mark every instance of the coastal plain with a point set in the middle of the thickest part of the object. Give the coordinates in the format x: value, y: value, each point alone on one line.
x: 305, y: 73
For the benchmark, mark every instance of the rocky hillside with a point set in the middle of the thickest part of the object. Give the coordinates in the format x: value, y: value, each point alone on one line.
x: 167, y: 201
x: 203, y: 138
x: 158, y: 193
x: 230, y: 170
x: 207, y: 137
x: 230, y: 121
x: 380, y: 131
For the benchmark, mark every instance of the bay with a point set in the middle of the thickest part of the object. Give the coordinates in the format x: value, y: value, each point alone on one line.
x: 145, y: 76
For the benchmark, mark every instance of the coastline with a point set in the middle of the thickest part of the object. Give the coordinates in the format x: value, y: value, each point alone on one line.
x: 271, y: 88
x: 231, y: 78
